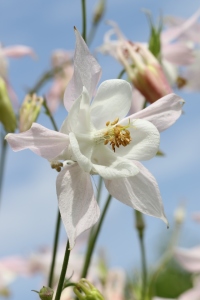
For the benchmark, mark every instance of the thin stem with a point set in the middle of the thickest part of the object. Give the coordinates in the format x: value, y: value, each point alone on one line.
x: 140, y: 226
x: 93, y: 239
x: 91, y: 34
x: 58, y: 221
x: 100, y: 183
x: 63, y: 273
x: 165, y: 259
x: 47, y: 111
x: 84, y: 20
x: 2, y: 162
x: 55, y: 246
x: 45, y: 77
x: 121, y: 74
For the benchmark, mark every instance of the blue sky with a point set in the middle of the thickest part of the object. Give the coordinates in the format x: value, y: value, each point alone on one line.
x: 29, y: 204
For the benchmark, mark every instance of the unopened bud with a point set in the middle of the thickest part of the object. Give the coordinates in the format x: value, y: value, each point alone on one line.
x: 46, y: 293
x: 145, y: 71
x: 29, y: 111
x: 84, y: 290
x: 7, y: 115
x: 99, y: 11
x: 179, y: 214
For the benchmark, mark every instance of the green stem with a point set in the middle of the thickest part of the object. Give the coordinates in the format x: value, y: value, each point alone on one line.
x: 91, y: 34
x: 121, y: 74
x: 63, y: 273
x: 47, y: 111
x: 45, y: 77
x: 55, y: 246
x: 140, y: 226
x: 58, y: 221
x: 2, y: 162
x: 100, y: 183
x: 165, y: 259
x: 84, y: 20
x: 93, y: 239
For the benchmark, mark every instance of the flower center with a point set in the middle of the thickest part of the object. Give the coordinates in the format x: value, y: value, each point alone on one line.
x: 117, y: 135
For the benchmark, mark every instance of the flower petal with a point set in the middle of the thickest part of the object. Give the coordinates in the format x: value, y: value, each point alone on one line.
x: 193, y: 294
x: 109, y: 166
x: 83, y: 161
x: 162, y: 113
x: 87, y: 72
x: 175, y: 32
x: 189, y: 259
x: 113, y: 100
x: 140, y: 192
x: 42, y: 141
x: 78, y: 119
x: 78, y: 207
x: 18, y: 51
x: 145, y: 140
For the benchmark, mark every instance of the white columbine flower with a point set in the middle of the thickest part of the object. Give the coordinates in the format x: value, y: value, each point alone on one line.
x: 96, y: 138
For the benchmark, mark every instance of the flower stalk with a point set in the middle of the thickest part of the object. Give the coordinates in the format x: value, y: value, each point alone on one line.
x: 93, y: 239
x: 63, y: 272
x: 140, y: 226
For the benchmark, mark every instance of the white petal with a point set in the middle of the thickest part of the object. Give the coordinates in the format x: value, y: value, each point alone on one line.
x: 189, y: 259
x: 83, y: 161
x: 42, y: 141
x: 113, y: 100
x: 78, y: 119
x: 145, y: 140
x: 108, y: 165
x: 140, y: 192
x: 78, y: 207
x: 87, y: 72
x: 162, y: 113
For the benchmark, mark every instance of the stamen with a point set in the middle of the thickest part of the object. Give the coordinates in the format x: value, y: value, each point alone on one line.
x: 117, y: 135
x: 57, y: 165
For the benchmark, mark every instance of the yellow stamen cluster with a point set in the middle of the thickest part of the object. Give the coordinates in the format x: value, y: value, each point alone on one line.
x: 57, y: 166
x: 117, y: 135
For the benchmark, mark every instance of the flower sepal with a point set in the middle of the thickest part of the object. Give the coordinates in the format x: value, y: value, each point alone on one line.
x: 84, y: 290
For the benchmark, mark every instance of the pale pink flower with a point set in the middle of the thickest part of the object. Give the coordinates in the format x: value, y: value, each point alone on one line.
x: 115, y: 284
x: 16, y: 51
x: 189, y: 259
x: 60, y: 58
x: 88, y: 144
x: 12, y: 267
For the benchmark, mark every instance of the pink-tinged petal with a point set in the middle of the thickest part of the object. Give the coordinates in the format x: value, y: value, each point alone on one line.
x: 196, y: 217
x: 113, y: 100
x: 80, y: 111
x: 175, y: 32
x: 17, y: 265
x: 189, y: 259
x: 140, y: 192
x: 53, y: 96
x: 87, y: 72
x: 162, y: 113
x: 18, y: 51
x: 191, y: 294
x: 137, y: 103
x: 178, y: 53
x: 78, y: 207
x: 42, y: 141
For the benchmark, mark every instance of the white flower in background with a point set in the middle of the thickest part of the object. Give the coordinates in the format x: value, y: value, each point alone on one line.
x: 95, y: 138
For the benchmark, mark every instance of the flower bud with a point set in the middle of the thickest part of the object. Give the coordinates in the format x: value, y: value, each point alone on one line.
x: 46, y: 293
x: 7, y: 115
x: 144, y: 71
x: 84, y: 290
x: 29, y: 111
x: 179, y: 214
x: 99, y: 11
